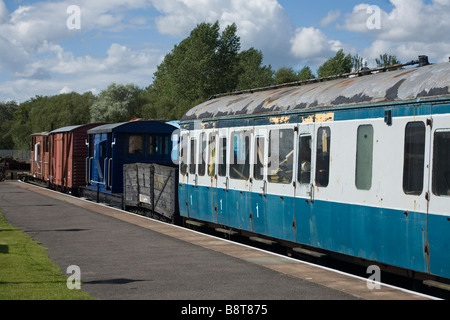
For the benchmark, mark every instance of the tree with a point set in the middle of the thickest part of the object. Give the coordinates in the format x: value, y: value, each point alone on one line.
x: 305, y: 74
x: 117, y: 103
x: 200, y: 66
x: 21, y: 130
x: 7, y: 110
x: 339, y: 64
x: 251, y: 72
x: 358, y: 63
x: 285, y: 75
x: 387, y: 60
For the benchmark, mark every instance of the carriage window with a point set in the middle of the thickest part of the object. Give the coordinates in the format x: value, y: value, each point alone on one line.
x: 102, y: 155
x: 414, y: 162
x: 183, y: 155
x: 201, y: 155
x: 281, y: 151
x: 258, y: 167
x: 364, y: 157
x: 167, y: 145
x: 154, y: 145
x: 240, y: 165
x: 223, y: 157
x: 323, y: 157
x: 158, y: 145
x: 174, y: 152
x: 212, y: 155
x: 192, y: 162
x: 441, y: 163
x: 304, y: 160
x: 135, y: 144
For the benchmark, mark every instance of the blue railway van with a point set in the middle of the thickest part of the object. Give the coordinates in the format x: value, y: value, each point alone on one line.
x: 112, y: 146
x: 358, y: 166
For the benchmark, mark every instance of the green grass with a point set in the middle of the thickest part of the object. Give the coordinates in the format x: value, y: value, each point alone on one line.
x: 27, y: 273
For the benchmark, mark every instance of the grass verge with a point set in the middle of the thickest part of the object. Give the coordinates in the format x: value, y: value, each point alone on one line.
x: 27, y: 273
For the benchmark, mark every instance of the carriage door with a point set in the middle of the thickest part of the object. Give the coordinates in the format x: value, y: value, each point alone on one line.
x: 304, y: 191
x: 223, y: 181
x: 259, y: 181
x: 205, y: 178
x: 192, y: 177
x: 439, y: 197
x: 183, y: 177
x: 211, y: 171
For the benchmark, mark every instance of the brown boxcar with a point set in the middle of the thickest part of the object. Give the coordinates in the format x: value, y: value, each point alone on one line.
x: 68, y: 153
x: 39, y: 168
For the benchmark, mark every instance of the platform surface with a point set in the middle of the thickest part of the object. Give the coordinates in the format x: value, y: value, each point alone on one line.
x: 123, y: 256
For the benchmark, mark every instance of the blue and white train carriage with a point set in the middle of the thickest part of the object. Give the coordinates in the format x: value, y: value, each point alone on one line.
x: 359, y: 166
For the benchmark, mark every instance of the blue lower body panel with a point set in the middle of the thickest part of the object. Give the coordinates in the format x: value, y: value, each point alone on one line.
x: 377, y: 234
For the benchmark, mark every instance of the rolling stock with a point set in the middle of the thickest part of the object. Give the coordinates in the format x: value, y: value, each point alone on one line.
x: 357, y: 166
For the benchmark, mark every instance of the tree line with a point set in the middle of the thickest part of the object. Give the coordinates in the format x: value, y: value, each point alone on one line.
x: 207, y: 62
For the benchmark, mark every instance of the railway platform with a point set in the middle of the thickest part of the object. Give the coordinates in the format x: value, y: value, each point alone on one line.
x: 123, y: 256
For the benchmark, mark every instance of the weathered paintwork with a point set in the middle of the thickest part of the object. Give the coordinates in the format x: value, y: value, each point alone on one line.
x: 402, y: 85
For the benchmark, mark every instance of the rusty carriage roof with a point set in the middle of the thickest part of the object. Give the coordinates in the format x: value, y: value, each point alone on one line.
x: 407, y: 84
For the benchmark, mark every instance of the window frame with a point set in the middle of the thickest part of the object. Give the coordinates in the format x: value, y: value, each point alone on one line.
x: 301, y: 170
x: 133, y: 141
x: 412, y: 159
x: 364, y: 173
x: 240, y: 147
x: 283, y: 157
x: 202, y: 143
x: 259, y: 152
x: 323, y: 177
x: 437, y: 175
x: 193, y: 145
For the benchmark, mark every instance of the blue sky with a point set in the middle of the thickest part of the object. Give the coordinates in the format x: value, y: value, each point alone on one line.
x: 124, y: 41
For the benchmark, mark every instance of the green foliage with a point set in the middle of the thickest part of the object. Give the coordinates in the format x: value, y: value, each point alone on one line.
x: 7, y: 110
x: 285, y: 75
x: 339, y: 64
x: 251, y: 72
x: 41, y: 114
x: 305, y: 74
x: 387, y: 60
x: 118, y: 103
x: 358, y: 63
x: 200, y: 66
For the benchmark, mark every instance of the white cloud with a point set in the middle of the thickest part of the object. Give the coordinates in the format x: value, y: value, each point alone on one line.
x: 32, y: 53
x: 262, y: 24
x: 412, y: 28
x: 309, y: 42
x: 3, y: 12
x: 332, y: 16
x: 313, y: 45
